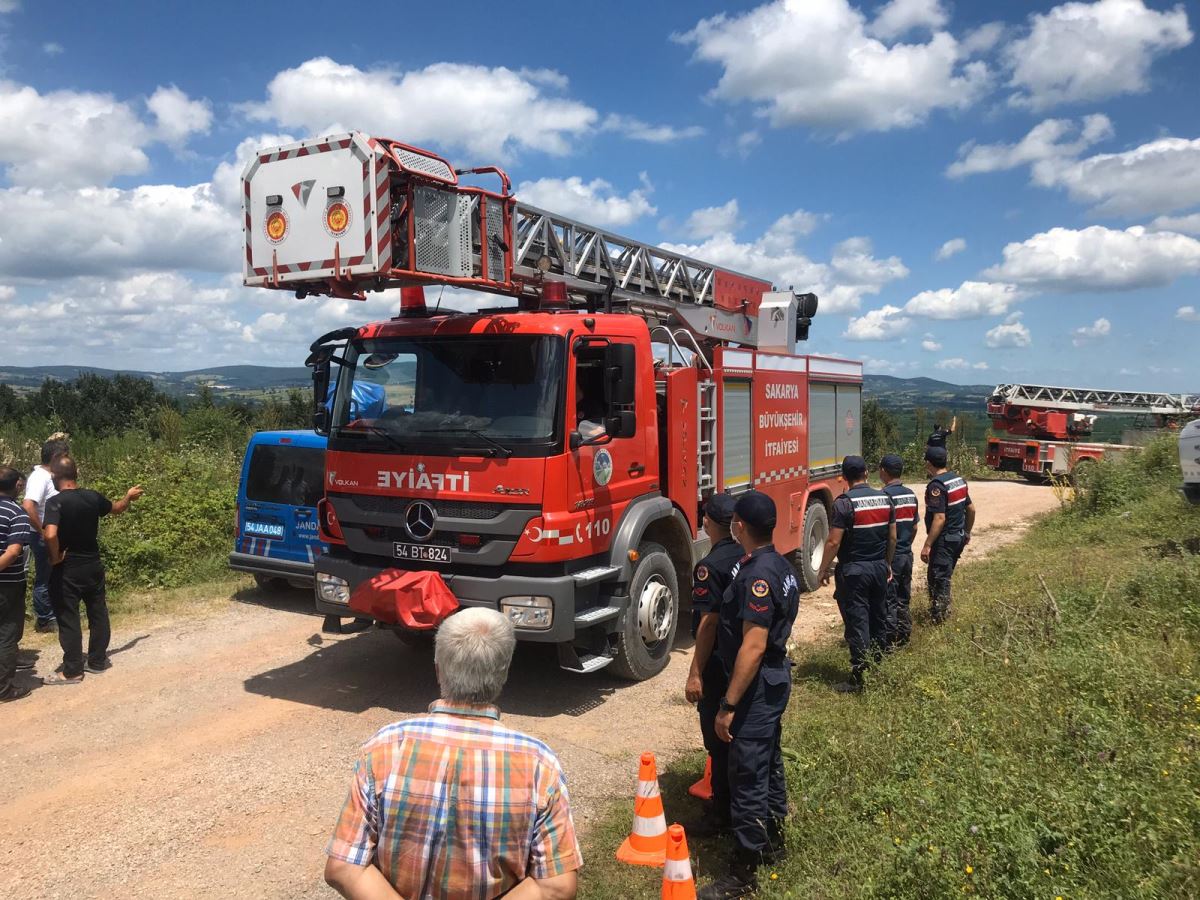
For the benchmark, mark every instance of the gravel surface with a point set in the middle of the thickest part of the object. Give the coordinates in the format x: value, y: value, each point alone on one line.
x: 212, y: 759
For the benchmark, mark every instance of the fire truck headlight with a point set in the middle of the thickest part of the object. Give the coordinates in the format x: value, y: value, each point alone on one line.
x: 530, y: 613
x: 332, y: 589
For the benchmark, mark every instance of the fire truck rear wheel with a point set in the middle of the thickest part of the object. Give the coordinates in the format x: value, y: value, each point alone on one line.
x: 808, y: 556
x: 647, y: 631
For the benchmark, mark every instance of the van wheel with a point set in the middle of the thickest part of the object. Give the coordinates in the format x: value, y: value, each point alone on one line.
x: 647, y: 630
x: 809, y: 556
x: 269, y: 584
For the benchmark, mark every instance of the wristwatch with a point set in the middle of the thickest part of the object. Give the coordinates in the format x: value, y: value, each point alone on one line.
x: 726, y: 706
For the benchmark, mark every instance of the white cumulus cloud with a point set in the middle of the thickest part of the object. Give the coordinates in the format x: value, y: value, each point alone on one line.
x: 1012, y: 332
x: 813, y: 63
x: 958, y: 364
x: 110, y: 232
x: 178, y: 115
x: 1189, y: 224
x: 951, y: 247
x: 710, y: 220
x: 970, y: 300
x: 1098, y: 259
x: 898, y: 17
x: 1051, y: 139
x: 637, y: 130
x: 593, y: 202
x: 1187, y: 314
x: 7, y: 292
x: 852, y: 272
x: 69, y: 139
x: 1086, y: 334
x: 930, y: 345
x: 884, y: 324
x: 1090, y: 51
x: 489, y: 112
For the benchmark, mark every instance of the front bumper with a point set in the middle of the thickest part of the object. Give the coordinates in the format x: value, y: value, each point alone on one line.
x: 475, y: 591
x: 271, y: 568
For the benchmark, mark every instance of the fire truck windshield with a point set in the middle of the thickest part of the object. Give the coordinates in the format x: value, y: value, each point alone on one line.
x: 437, y: 394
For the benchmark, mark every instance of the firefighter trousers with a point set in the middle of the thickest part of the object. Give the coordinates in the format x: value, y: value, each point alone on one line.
x: 942, y: 560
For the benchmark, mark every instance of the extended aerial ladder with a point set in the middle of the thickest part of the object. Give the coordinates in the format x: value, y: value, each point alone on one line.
x: 387, y: 215
x: 1056, y: 422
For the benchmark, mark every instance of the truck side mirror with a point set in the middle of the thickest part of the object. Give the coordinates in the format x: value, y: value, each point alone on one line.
x: 319, y: 362
x: 620, y: 375
x: 621, y: 425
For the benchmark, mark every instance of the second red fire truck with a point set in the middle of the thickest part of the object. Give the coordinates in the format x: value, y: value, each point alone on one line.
x: 548, y: 459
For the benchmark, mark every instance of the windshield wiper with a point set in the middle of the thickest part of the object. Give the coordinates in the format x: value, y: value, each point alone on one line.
x: 346, y: 431
x: 472, y: 431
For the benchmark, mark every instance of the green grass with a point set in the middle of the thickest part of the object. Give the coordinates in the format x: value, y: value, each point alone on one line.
x: 1014, y: 752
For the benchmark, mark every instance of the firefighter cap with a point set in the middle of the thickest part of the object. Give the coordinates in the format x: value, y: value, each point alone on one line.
x: 936, y: 455
x: 719, y: 508
x: 757, y: 510
x: 853, y: 468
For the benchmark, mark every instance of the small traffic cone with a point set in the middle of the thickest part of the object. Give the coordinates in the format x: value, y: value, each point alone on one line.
x: 678, y: 883
x: 647, y: 843
x: 703, y: 787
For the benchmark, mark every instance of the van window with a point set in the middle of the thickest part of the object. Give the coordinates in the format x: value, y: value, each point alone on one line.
x: 294, y: 476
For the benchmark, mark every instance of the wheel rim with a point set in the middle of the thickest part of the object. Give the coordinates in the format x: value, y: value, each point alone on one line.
x: 817, y: 556
x: 655, y: 612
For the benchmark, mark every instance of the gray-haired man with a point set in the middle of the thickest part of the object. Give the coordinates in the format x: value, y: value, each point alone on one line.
x: 453, y: 804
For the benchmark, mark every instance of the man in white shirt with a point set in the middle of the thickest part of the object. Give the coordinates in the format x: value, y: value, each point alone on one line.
x: 39, y: 488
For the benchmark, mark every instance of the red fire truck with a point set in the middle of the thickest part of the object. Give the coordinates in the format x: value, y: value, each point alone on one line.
x: 1051, y: 425
x: 548, y: 459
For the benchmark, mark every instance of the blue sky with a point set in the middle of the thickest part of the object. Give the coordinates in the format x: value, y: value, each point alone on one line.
x: 974, y: 199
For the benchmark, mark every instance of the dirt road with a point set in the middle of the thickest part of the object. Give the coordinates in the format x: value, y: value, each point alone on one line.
x: 212, y: 759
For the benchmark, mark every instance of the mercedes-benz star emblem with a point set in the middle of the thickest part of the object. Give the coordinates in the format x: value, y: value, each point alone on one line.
x: 419, y: 519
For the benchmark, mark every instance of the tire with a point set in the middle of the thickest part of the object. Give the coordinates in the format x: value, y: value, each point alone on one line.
x: 417, y: 640
x: 269, y: 583
x: 807, y: 558
x: 647, y: 630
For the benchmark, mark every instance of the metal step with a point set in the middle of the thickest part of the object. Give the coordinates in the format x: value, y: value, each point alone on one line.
x: 595, y: 616
x: 590, y: 662
x: 594, y: 575
x: 582, y: 663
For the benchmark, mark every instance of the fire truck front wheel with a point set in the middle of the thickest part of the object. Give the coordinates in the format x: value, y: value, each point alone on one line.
x: 810, y: 554
x: 647, y: 630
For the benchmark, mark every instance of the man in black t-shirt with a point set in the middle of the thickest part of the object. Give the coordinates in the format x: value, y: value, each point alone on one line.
x: 940, y: 435
x: 71, y: 524
x: 16, y: 534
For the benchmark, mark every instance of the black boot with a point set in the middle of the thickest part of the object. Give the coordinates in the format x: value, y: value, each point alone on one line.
x: 741, y: 881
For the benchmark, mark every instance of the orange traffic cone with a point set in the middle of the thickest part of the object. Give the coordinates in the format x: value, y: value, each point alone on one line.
x: 647, y: 843
x: 703, y: 787
x: 678, y: 883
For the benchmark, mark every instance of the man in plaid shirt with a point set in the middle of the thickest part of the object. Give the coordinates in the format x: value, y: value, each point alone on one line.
x: 453, y: 804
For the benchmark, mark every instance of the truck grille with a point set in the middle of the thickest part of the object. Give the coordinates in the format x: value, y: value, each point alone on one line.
x: 452, y: 509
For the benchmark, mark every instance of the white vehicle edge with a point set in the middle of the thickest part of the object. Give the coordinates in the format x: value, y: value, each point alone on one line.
x: 1189, y: 460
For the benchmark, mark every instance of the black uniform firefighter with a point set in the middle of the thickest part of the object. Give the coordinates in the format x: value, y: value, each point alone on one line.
x: 706, y: 681
x: 862, y: 537
x: 949, y: 518
x: 753, y: 629
x: 899, y: 590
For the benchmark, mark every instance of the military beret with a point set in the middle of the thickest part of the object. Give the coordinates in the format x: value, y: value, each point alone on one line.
x: 854, y: 467
x: 936, y: 455
x: 719, y: 508
x: 756, y: 509
x: 892, y: 463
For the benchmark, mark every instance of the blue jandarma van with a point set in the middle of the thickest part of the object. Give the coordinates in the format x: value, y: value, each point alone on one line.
x: 283, y: 477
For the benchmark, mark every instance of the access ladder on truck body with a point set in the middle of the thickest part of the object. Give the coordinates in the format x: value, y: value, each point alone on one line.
x: 551, y: 459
